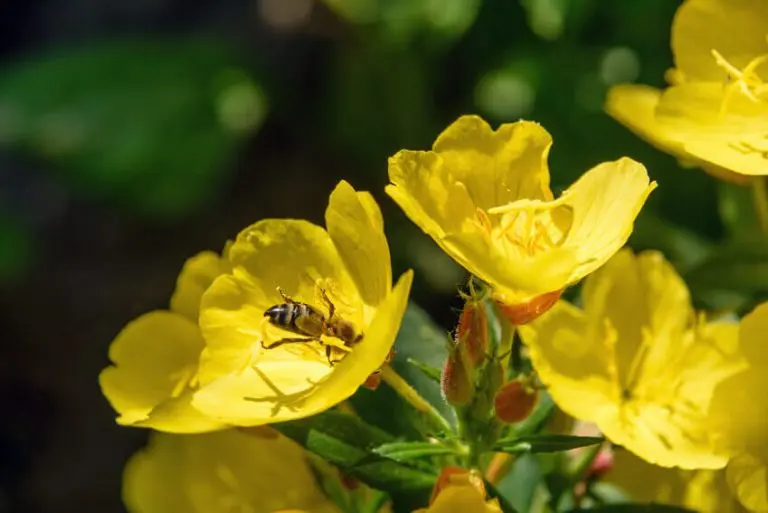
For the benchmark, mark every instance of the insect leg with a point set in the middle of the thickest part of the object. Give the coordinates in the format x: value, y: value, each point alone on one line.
x: 295, y: 340
x: 331, y: 306
x: 285, y: 298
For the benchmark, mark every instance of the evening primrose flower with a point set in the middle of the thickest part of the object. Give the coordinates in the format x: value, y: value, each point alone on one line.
x: 715, y: 114
x: 637, y: 361
x: 221, y: 472
x: 484, y: 197
x: 155, y: 357
x: 739, y: 415
x: 246, y: 381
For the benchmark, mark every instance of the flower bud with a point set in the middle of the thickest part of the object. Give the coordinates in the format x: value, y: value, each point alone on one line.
x: 514, y: 401
x: 523, y: 313
x: 457, y: 476
x: 472, y: 331
x: 456, y: 381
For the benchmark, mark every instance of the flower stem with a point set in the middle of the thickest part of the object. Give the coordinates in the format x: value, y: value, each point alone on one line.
x: 500, y: 465
x: 407, y: 392
x: 760, y: 200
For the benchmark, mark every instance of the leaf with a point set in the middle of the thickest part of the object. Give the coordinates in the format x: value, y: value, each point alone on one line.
x: 545, y: 443
x: 432, y: 373
x: 732, y: 275
x: 346, y: 441
x: 405, y: 451
x: 634, y: 508
x: 493, y: 493
x: 418, y: 339
x: 521, y: 482
x: 150, y: 124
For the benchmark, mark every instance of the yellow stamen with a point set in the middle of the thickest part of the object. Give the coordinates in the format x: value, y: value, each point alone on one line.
x: 744, y: 80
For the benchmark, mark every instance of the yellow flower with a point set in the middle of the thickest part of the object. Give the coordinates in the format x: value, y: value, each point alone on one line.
x: 739, y: 415
x: 705, y: 491
x: 459, y: 490
x: 221, y: 472
x: 484, y: 197
x: 156, y: 358
x: 246, y: 381
x: 715, y: 113
x: 636, y: 361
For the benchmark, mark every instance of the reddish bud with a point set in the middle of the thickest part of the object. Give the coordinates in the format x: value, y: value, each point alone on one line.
x: 457, y: 476
x: 514, y: 401
x: 472, y: 331
x: 456, y: 381
x: 523, y: 313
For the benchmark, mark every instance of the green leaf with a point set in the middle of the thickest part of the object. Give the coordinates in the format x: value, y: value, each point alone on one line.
x: 149, y: 124
x: 634, y: 508
x: 737, y: 211
x: 418, y: 339
x: 494, y: 493
x: 545, y: 443
x: 521, y: 482
x: 432, y: 373
x: 732, y: 275
x: 405, y: 451
x: 346, y: 441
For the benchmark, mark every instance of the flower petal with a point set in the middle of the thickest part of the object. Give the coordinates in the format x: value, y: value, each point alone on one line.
x: 228, y: 470
x: 155, y: 358
x: 605, y: 202
x: 747, y: 476
x: 278, y: 389
x: 197, y: 275
x: 578, y: 370
x: 354, y: 222
x: 634, y: 106
x: 735, y: 28
x: 464, y: 498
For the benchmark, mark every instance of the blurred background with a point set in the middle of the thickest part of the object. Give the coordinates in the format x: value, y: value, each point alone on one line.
x: 135, y: 134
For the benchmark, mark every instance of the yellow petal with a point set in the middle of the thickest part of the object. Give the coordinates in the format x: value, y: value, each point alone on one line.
x: 731, y: 137
x: 463, y: 498
x: 196, y: 276
x: 747, y: 476
x: 354, y: 222
x: 221, y: 472
x: 634, y: 106
x: 152, y: 481
x: 297, y: 256
x: 705, y: 491
x: 282, y: 387
x: 155, y: 361
x: 577, y: 369
x: 605, y: 202
x: 735, y: 28
x: 647, y: 376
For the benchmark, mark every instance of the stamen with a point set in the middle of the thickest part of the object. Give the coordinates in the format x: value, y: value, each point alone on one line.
x: 744, y: 80
x: 485, y: 223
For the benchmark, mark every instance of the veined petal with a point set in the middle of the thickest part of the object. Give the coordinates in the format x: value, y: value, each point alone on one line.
x: 605, y: 202
x: 634, y: 106
x: 279, y: 388
x: 735, y: 28
x: 155, y: 360
x: 196, y: 276
x: 354, y: 222
x: 497, y: 166
x: 579, y: 371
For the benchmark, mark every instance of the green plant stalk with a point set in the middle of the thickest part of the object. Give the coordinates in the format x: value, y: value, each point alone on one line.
x: 760, y: 201
x: 407, y: 392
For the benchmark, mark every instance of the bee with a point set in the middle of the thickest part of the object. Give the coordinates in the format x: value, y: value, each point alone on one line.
x: 311, y: 323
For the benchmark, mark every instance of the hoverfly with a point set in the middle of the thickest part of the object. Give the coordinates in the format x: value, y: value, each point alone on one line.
x: 311, y: 323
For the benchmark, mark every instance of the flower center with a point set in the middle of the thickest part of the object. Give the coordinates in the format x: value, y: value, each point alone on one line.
x: 526, y: 227
x: 184, y: 379
x: 745, y: 81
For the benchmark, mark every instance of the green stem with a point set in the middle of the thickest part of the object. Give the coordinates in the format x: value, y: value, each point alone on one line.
x: 760, y: 200
x: 407, y: 392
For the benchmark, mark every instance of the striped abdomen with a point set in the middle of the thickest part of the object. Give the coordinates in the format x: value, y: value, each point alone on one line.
x: 298, y: 318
